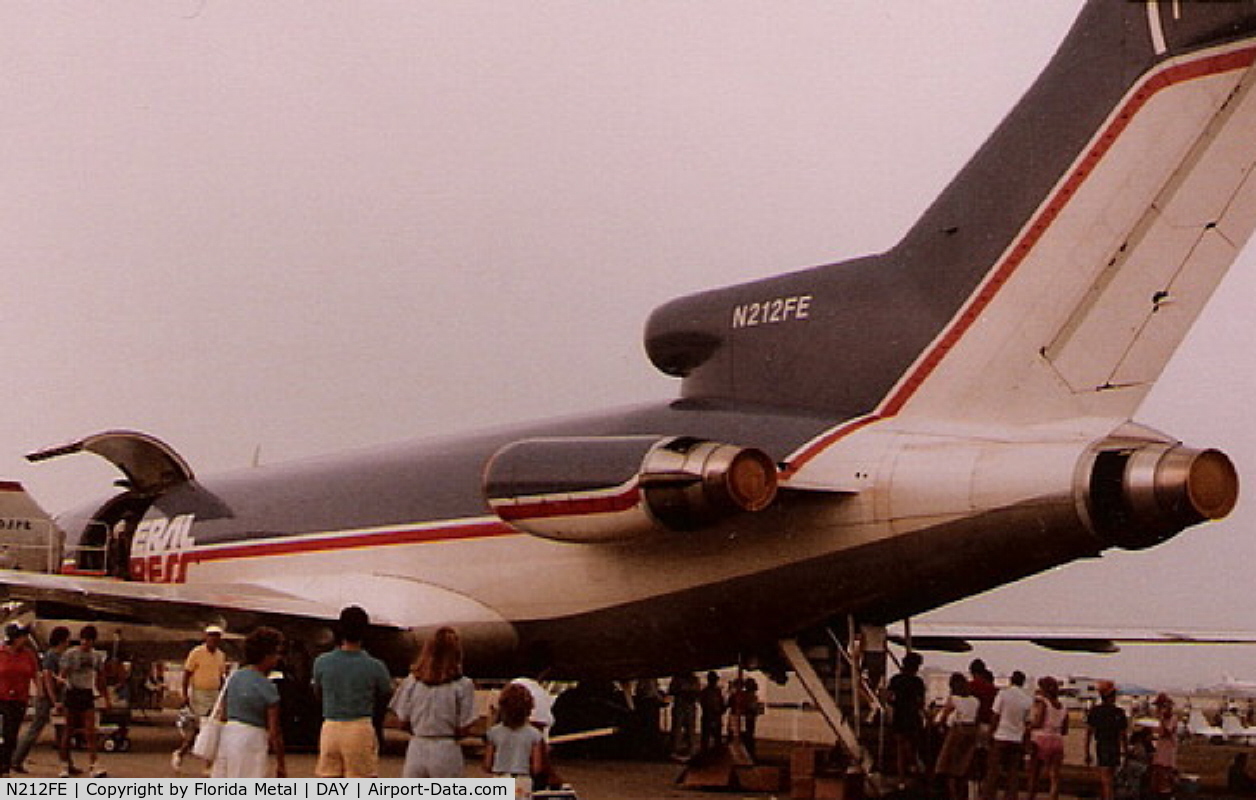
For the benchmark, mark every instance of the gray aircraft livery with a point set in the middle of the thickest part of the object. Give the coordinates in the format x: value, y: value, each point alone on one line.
x: 869, y: 439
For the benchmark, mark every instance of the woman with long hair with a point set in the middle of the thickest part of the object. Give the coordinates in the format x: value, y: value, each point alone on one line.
x: 250, y: 705
x: 1048, y: 725
x: 436, y: 704
x: 955, y: 758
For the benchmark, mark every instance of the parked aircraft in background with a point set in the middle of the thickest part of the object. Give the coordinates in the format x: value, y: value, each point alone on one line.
x: 1234, y: 729
x: 1198, y: 726
x: 1231, y: 687
x: 869, y: 439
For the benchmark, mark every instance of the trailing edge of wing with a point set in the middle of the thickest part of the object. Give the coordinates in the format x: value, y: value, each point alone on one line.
x: 165, y: 604
x: 956, y: 637
x: 391, y: 601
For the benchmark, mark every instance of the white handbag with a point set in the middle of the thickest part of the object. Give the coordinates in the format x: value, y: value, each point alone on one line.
x: 206, y: 744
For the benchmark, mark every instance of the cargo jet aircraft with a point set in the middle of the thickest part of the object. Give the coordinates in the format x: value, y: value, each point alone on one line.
x: 874, y: 438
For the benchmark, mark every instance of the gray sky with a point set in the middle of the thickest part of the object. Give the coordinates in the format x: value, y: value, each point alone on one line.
x: 297, y: 227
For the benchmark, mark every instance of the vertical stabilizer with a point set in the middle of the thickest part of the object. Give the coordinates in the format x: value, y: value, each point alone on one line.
x: 29, y: 539
x: 1053, y: 277
x: 1081, y: 311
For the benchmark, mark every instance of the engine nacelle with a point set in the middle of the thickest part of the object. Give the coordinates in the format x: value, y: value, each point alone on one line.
x: 1134, y: 488
x: 605, y: 489
x: 1142, y: 495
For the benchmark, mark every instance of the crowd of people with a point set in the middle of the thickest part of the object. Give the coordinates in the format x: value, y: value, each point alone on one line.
x: 983, y: 739
x: 66, y: 679
x: 720, y: 714
x: 435, y: 704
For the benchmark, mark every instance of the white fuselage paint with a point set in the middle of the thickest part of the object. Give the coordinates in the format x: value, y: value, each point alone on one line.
x: 916, y: 482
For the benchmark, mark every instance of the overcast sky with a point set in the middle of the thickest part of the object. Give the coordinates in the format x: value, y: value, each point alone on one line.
x: 283, y: 229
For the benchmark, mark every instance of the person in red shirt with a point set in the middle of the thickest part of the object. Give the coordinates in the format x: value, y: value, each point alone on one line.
x: 981, y: 684
x: 18, y: 667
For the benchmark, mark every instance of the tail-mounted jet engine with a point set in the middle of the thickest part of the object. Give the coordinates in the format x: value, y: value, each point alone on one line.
x: 607, y: 489
x: 1140, y: 496
x: 1023, y: 506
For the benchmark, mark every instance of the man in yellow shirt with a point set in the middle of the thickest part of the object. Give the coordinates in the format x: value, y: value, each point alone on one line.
x: 203, y: 673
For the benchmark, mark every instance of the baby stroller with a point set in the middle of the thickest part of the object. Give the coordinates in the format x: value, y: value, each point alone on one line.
x: 113, y: 729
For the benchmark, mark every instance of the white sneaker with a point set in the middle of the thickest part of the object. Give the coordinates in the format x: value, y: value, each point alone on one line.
x: 99, y: 772
x: 176, y: 760
x: 64, y: 773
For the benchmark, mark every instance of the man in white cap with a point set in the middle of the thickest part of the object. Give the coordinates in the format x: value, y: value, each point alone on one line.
x: 203, y: 673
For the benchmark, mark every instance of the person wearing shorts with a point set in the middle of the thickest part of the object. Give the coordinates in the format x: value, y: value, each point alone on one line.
x: 203, y: 673
x: 1048, y: 725
x: 1007, y: 752
x: 83, y: 677
x: 1107, y: 726
x: 351, y: 684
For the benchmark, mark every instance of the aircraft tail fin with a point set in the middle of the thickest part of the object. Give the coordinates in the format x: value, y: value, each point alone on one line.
x: 1055, y: 275
x: 29, y: 539
x: 1085, y: 305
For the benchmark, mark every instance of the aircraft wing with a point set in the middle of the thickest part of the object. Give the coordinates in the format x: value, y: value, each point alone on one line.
x: 957, y: 637
x: 392, y: 601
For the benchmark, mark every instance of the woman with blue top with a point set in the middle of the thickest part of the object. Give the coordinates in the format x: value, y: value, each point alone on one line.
x: 515, y: 748
x: 251, y: 705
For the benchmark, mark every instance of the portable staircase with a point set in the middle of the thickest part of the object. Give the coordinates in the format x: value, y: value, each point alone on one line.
x: 834, y: 677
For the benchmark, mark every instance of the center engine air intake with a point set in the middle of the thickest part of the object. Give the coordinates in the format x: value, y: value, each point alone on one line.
x: 605, y: 489
x: 1141, y: 496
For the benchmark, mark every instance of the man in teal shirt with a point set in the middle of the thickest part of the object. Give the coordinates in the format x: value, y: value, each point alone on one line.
x: 350, y: 682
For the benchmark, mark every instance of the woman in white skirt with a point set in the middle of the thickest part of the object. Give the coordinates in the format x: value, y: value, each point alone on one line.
x: 251, y: 704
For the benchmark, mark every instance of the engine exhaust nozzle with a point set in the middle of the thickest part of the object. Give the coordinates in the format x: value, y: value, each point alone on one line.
x: 1142, y: 496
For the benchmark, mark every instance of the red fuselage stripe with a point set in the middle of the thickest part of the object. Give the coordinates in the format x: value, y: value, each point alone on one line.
x: 897, y: 399
x: 294, y: 545
x: 570, y: 507
x: 171, y: 566
x: 470, y: 530
x: 275, y: 547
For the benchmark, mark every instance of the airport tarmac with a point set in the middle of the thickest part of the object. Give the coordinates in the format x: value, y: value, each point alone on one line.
x: 154, y: 737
